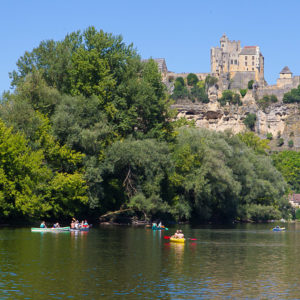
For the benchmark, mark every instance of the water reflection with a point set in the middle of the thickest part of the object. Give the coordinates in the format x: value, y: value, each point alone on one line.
x: 248, y: 261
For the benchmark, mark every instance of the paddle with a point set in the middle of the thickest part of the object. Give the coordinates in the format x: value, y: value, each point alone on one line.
x: 166, y: 237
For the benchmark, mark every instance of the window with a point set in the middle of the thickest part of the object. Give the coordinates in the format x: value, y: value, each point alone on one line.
x: 253, y: 63
x: 246, y: 64
x: 252, y: 69
x: 222, y: 45
x: 232, y: 62
x: 252, y: 57
x: 235, y: 62
x: 246, y: 57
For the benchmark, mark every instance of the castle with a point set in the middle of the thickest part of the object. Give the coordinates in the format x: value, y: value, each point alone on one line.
x: 242, y: 64
x: 235, y: 66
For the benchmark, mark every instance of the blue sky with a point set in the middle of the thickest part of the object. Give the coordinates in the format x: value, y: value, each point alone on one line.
x: 182, y: 32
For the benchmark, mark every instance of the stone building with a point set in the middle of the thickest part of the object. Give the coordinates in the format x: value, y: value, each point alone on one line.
x: 242, y: 64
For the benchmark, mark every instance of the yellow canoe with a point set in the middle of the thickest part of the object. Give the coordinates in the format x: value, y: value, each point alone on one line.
x: 175, y: 240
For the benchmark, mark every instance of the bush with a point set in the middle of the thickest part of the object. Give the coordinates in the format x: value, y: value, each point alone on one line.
x: 293, y: 96
x: 250, y: 84
x: 291, y: 143
x: 210, y: 81
x: 230, y: 97
x: 180, y: 80
x: 258, y: 212
x: 243, y: 92
x: 269, y: 136
x: 280, y: 142
x: 250, y: 121
x: 298, y: 214
x: 199, y: 94
x: 192, y: 79
x: 266, y: 101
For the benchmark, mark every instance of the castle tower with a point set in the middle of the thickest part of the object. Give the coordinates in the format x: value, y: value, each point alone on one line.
x: 242, y: 64
x: 224, y: 59
x: 285, y: 77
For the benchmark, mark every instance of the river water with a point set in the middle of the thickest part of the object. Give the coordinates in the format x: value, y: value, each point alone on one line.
x: 119, y: 262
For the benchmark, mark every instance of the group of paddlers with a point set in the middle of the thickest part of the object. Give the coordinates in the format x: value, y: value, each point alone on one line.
x: 75, y: 224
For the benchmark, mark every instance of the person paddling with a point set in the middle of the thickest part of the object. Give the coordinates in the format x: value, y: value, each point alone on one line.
x: 43, y: 225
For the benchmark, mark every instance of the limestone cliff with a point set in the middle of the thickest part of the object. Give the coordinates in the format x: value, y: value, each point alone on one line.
x: 282, y: 120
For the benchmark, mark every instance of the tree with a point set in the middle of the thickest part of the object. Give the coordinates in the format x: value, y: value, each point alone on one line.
x: 288, y: 163
x: 28, y: 186
x: 293, y: 96
x: 250, y: 120
x: 243, y: 92
x: 250, y: 84
x: 192, y: 79
x: 230, y: 97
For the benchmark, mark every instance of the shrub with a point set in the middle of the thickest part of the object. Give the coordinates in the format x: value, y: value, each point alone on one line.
x: 258, y: 212
x: 210, y: 81
x: 298, y: 214
x: 192, y: 79
x: 230, y: 97
x: 266, y: 101
x: 250, y: 121
x: 243, y: 92
x: 293, y: 96
x: 291, y: 143
x: 180, y: 80
x: 269, y: 136
x: 280, y: 142
x: 250, y: 84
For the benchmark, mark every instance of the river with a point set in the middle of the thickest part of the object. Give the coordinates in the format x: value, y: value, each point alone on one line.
x: 120, y: 262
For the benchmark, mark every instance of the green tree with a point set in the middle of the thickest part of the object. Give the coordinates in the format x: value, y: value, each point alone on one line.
x: 293, y: 96
x: 250, y: 120
x: 230, y: 97
x: 250, y: 84
x: 288, y: 163
x: 192, y: 79
x: 243, y: 92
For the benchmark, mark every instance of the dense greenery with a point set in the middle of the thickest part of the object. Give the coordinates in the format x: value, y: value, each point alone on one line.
x: 88, y: 129
x: 195, y: 90
x: 250, y: 84
x: 230, y: 97
x: 266, y: 101
x: 293, y: 96
x: 243, y: 92
x: 250, y: 120
x: 288, y: 163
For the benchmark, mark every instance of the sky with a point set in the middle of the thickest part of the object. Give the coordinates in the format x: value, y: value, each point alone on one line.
x: 182, y: 32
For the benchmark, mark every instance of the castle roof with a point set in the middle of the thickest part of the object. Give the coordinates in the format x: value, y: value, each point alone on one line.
x: 248, y: 50
x: 286, y: 70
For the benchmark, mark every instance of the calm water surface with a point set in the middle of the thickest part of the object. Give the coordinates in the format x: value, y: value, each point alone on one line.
x: 245, y: 261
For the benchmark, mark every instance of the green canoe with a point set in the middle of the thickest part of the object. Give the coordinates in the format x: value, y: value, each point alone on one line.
x: 59, y: 229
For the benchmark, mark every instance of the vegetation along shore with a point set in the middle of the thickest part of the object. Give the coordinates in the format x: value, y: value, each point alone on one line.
x: 88, y: 129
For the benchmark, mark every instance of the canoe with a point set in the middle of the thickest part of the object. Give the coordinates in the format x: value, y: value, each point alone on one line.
x: 59, y: 229
x: 80, y: 229
x: 159, y: 228
x: 279, y: 229
x: 174, y: 240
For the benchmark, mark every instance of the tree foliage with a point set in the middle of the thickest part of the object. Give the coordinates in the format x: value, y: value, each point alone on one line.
x: 293, y: 96
x: 88, y: 128
x: 250, y: 120
x: 288, y: 163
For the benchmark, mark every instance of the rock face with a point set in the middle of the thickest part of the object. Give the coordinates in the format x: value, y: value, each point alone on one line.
x: 281, y: 120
